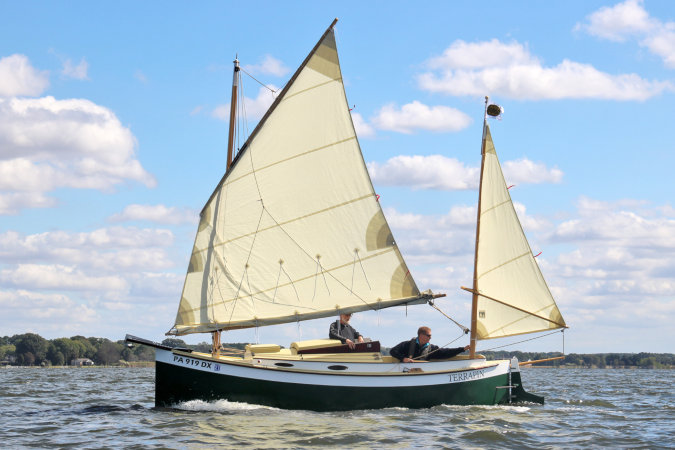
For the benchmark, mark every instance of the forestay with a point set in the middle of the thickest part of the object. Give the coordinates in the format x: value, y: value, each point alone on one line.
x: 294, y: 230
x: 513, y: 295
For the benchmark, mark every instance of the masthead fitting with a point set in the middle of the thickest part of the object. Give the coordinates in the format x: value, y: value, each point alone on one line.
x: 494, y: 110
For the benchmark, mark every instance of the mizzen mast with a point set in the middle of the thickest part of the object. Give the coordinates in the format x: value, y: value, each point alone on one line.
x: 474, y: 297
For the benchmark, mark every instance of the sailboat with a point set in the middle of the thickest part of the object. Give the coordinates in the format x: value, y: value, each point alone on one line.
x: 294, y: 231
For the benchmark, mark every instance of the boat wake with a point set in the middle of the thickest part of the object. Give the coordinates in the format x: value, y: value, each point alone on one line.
x: 220, y: 406
x: 513, y: 408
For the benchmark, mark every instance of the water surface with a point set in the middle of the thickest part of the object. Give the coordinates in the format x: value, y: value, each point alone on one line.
x: 114, y: 407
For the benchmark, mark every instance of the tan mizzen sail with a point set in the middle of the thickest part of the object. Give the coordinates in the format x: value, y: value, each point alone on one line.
x: 294, y: 230
x: 510, y: 294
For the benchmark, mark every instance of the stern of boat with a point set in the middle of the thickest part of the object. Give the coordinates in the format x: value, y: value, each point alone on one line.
x: 516, y: 393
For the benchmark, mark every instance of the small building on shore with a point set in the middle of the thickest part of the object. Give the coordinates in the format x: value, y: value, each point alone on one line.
x: 81, y: 362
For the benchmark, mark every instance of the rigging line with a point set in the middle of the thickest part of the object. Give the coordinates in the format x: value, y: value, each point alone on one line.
x: 465, y: 329
x: 255, y: 79
x: 217, y: 286
x: 351, y: 288
x: 210, y: 294
x: 319, y: 266
x: 375, y: 255
x: 292, y: 284
x: 248, y: 258
x: 243, y: 110
x: 520, y: 342
x: 278, y: 278
x: 323, y: 273
x: 315, y: 273
x: 364, y: 270
x: 248, y: 280
x: 307, y: 253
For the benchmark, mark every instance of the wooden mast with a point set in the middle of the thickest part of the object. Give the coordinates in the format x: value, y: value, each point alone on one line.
x: 215, y: 347
x: 474, y: 297
x: 233, y: 113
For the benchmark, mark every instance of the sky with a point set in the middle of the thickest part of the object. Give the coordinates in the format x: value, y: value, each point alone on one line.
x: 113, y: 135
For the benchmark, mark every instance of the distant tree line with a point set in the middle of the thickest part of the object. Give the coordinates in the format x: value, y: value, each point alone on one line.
x: 599, y: 360
x: 33, y: 350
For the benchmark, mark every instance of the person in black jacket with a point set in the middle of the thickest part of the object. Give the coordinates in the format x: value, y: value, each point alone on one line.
x: 340, y: 329
x: 419, y: 348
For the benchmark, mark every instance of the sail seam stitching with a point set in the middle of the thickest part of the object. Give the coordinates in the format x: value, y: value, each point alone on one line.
x: 278, y: 225
x: 310, y: 88
x: 496, y: 206
x: 503, y: 264
x: 323, y: 147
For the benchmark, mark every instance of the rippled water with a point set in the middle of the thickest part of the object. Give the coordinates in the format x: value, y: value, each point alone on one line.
x: 113, y: 408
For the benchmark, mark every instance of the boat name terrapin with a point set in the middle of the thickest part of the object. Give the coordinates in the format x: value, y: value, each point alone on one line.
x: 463, y: 376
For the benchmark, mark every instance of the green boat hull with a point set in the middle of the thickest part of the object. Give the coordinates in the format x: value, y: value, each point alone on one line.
x: 175, y: 384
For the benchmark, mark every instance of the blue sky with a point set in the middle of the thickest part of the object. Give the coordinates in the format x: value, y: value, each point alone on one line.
x: 113, y: 135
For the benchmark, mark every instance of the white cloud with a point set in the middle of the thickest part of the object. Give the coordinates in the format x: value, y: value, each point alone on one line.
x: 12, y: 204
x: 618, y: 21
x: 57, y: 282
x: 621, y: 265
x: 19, y: 78
x: 62, y: 277
x: 525, y: 171
x: 363, y: 129
x: 46, y: 144
x: 156, y: 213
x: 254, y: 108
x: 480, y: 55
x: 29, y: 307
x: 424, y: 172
x: 443, y: 173
x: 78, y: 72
x: 415, y: 115
x: 268, y: 66
x: 611, y: 265
x: 630, y: 20
x: 614, y: 225
x: 115, y: 250
x: 663, y: 45
x: 513, y: 72
x: 157, y: 287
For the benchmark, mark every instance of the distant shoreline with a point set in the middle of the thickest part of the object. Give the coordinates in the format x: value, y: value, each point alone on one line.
x: 132, y: 365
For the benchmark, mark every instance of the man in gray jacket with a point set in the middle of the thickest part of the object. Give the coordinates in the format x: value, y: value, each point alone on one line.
x: 340, y: 329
